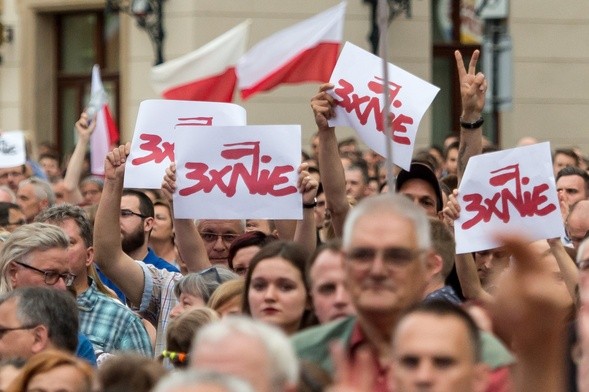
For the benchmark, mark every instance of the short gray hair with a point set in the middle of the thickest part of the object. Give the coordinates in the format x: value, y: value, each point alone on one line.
x: 43, y: 190
x: 55, y: 309
x: 202, y: 284
x: 283, y: 363
x: 57, y: 215
x: 194, y: 378
x: 387, y: 203
x: 26, y: 239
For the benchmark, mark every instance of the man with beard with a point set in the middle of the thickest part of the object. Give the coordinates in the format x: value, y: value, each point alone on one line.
x: 136, y: 221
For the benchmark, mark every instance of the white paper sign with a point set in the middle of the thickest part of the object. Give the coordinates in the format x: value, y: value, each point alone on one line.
x: 152, y: 148
x: 359, y: 88
x: 238, y: 172
x: 12, y: 149
x: 510, y: 191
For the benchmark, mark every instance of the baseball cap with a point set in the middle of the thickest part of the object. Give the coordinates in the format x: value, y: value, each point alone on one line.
x: 423, y: 172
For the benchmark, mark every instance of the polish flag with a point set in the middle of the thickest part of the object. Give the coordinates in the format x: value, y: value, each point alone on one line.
x: 207, y: 74
x: 106, y: 133
x: 304, y: 52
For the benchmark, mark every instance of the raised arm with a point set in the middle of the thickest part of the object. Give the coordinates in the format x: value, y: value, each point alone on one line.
x: 472, y: 92
x: 190, y: 245
x: 465, y: 264
x: 306, y: 231
x: 109, y: 255
x: 74, y: 167
x: 333, y: 178
x: 567, y: 266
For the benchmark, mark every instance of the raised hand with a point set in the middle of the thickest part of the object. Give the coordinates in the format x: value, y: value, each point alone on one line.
x: 322, y: 104
x: 84, y: 127
x: 114, y: 164
x: 473, y: 87
x: 169, y: 182
x: 306, y: 184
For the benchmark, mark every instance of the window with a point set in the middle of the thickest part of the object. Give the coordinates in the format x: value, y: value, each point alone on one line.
x: 84, y: 39
x: 455, y: 26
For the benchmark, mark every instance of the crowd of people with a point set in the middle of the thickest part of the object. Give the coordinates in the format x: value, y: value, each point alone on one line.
x: 103, y: 289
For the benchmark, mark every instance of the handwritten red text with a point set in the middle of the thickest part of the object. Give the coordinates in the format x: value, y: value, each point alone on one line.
x: 365, y: 106
x: 157, y: 149
x: 258, y: 181
x: 526, y: 203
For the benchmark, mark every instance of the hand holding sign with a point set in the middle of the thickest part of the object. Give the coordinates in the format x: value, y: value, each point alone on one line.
x: 323, y: 106
x: 238, y: 172
x: 359, y: 88
x: 157, y: 123
x: 507, y: 191
x: 169, y: 183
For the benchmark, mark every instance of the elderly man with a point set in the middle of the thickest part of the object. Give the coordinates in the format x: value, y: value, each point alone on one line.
x: 109, y: 325
x: 33, y: 196
x: 388, y: 261
x: 36, y: 254
x: 386, y: 272
x: 12, y: 176
x: 34, y: 319
x: 242, y: 347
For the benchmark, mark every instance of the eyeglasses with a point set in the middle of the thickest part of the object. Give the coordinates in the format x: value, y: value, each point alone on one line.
x: 3, y: 331
x: 213, y: 237
x: 51, y: 277
x: 127, y: 213
x: 363, y: 258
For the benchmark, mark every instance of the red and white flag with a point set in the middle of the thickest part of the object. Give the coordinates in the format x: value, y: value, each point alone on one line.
x: 207, y: 74
x: 304, y: 52
x: 106, y: 133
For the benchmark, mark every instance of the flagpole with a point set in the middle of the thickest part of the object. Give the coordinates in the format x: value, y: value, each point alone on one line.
x: 383, y: 21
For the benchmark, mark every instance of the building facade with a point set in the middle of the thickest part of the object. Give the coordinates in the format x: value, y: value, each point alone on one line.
x: 45, y: 69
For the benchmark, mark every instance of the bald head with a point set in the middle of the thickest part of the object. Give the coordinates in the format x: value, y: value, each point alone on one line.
x: 577, y: 223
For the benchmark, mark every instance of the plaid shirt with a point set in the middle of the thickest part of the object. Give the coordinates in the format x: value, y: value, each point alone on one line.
x: 110, y: 325
x: 158, y: 300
